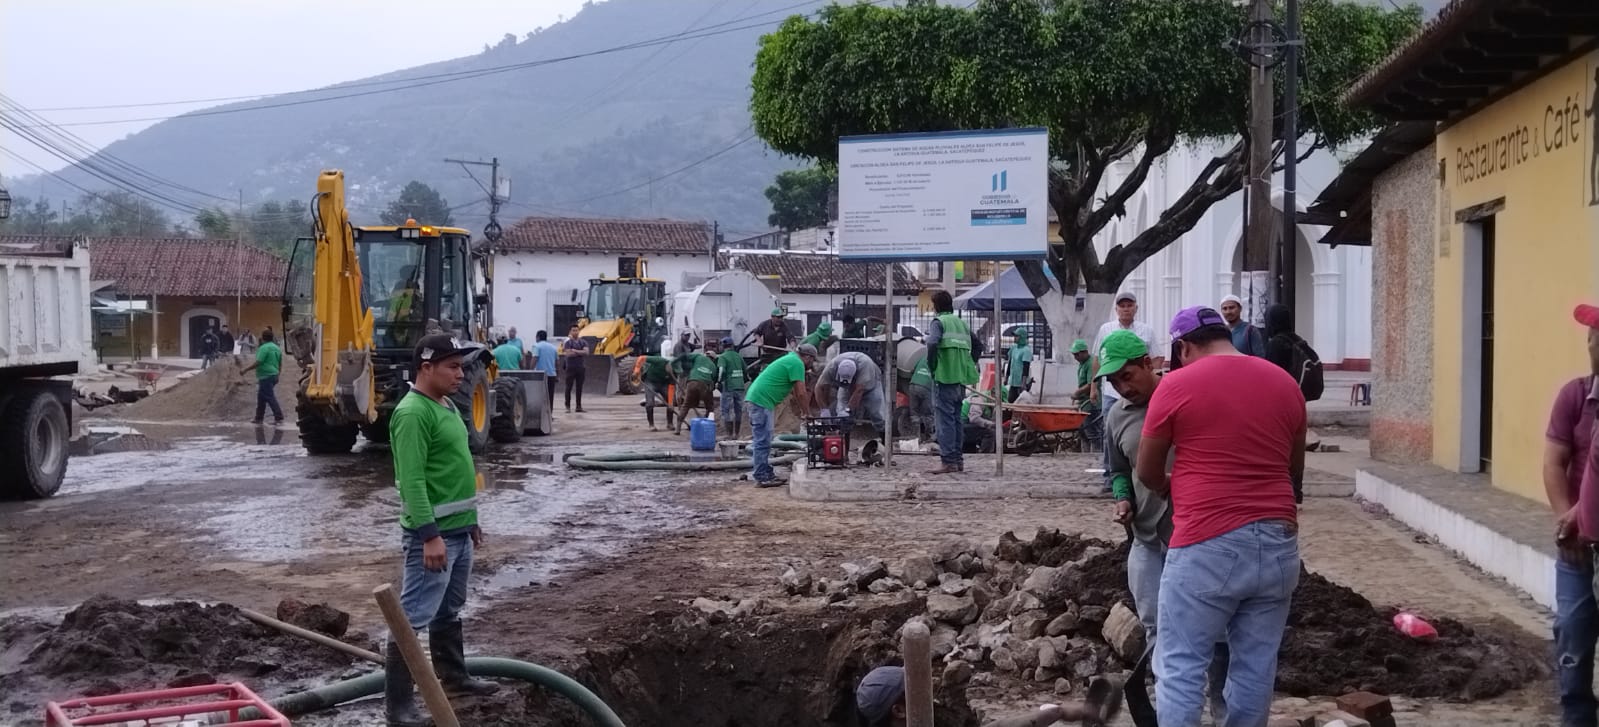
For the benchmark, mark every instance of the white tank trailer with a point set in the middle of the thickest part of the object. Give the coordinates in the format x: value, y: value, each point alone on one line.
x: 730, y: 304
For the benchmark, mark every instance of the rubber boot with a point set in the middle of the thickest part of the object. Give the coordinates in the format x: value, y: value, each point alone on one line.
x: 448, y: 644
x: 399, y: 700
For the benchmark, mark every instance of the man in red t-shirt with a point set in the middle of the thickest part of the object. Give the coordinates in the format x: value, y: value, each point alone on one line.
x: 1565, y: 460
x: 1238, y: 424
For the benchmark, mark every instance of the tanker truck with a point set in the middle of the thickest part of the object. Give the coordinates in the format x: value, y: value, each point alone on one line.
x: 729, y: 304
x: 44, y: 290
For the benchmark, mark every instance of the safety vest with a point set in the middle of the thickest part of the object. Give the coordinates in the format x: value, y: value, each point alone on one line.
x: 955, y: 364
x: 920, y: 376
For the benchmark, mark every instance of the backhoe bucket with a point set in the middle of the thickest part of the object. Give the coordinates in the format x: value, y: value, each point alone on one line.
x: 599, y: 375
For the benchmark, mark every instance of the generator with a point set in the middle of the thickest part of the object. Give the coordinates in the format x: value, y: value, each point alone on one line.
x: 827, y: 441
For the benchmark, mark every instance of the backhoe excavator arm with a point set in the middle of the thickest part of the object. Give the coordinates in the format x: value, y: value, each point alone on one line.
x: 341, y: 378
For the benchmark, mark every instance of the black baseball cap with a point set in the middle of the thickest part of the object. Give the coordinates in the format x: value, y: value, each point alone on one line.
x: 441, y: 346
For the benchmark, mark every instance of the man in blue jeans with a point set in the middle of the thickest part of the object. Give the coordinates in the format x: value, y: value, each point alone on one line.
x: 1566, y: 454
x: 1238, y: 425
x: 783, y: 378
x: 949, y: 358
x: 268, y: 362
x: 437, y: 483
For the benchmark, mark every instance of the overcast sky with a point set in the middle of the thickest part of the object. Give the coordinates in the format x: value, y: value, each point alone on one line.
x: 56, y: 53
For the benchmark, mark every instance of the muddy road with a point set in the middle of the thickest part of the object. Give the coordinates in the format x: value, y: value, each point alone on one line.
x: 584, y: 571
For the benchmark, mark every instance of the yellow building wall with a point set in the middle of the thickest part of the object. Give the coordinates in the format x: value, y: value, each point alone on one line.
x: 1535, y: 150
x: 169, y: 324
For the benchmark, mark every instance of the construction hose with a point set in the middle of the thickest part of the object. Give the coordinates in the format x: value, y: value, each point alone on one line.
x: 673, y: 461
x: 332, y: 695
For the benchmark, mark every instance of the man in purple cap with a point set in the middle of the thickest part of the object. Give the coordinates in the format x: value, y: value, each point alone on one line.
x: 1238, y: 424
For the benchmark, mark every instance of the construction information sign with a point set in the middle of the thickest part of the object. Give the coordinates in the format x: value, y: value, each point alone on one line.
x: 954, y: 195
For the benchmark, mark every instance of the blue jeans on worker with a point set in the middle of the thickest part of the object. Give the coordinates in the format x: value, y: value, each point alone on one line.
x: 733, y: 411
x: 266, y: 395
x: 1235, y: 587
x: 1105, y: 404
x: 871, y: 406
x: 761, y: 442
x: 951, y: 430
x: 435, y: 597
x: 1145, y: 563
x: 1576, y: 630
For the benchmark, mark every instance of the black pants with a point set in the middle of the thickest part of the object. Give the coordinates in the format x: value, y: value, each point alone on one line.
x: 574, y: 377
x: 550, y: 382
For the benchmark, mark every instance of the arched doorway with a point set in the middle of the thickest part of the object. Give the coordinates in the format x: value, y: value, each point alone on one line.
x: 194, y: 323
x: 1306, y: 264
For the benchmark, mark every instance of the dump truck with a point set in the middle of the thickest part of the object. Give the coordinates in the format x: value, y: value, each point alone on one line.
x: 356, y: 302
x: 45, y: 296
x: 622, y: 317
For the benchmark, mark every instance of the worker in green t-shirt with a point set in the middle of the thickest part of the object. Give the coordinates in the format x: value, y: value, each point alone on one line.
x: 821, y: 338
x: 1018, y: 362
x: 949, y: 357
x: 268, y: 362
x: 655, y: 375
x: 730, y: 379
x: 698, y: 381
x: 920, y: 392
x: 782, y: 379
x: 438, y: 486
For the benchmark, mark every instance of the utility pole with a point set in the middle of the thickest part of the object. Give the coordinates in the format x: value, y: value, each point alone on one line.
x: 1290, y: 246
x: 238, y: 264
x: 492, y: 231
x: 1257, y: 240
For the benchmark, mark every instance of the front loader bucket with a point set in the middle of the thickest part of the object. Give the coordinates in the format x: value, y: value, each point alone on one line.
x: 599, y: 375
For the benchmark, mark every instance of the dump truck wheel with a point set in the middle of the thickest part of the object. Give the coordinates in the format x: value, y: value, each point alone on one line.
x: 509, y: 412
x: 33, y: 445
x: 625, y: 383
x: 475, y: 401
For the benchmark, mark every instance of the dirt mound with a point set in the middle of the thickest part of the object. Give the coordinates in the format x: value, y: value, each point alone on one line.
x: 108, y: 645
x: 1337, y: 642
x: 1046, y: 610
x: 221, y: 392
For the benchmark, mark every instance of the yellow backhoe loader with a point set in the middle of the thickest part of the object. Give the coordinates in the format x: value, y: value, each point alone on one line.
x: 356, y: 302
x: 622, y: 317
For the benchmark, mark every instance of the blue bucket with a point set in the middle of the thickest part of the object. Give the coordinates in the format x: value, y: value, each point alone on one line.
x: 702, y: 434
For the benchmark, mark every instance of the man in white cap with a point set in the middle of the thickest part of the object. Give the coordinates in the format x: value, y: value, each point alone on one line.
x: 1103, y: 394
x: 849, y: 382
x: 1246, y: 337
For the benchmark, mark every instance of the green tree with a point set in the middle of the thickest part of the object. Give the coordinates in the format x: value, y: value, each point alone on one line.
x: 117, y: 214
x: 275, y: 225
x: 799, y: 198
x: 214, y: 223
x: 1116, y: 82
x: 31, y: 217
x: 419, y: 202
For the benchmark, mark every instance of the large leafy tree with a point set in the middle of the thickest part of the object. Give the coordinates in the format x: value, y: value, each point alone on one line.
x: 419, y: 202
x: 799, y: 198
x: 1116, y: 82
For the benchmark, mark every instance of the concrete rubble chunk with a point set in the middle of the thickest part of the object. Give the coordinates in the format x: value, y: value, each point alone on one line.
x: 949, y: 550
x: 1013, y: 549
x: 796, y: 582
x: 999, y: 608
x: 948, y: 578
x: 966, y: 564
x: 956, y: 587
x: 1063, y: 624
x: 918, y: 568
x: 1045, y: 676
x: 1124, y: 632
x: 861, y: 573
x: 1025, y: 602
x: 886, y: 585
x: 1366, y: 705
x: 1340, y: 717
x: 1063, y: 686
x: 993, y: 635
x: 1025, y: 654
x: 943, y: 640
x: 982, y: 595
x: 1093, y: 614
x: 957, y: 673
x: 1040, y: 581
x: 957, y: 610
x: 1048, y: 658
x: 1003, y: 659
x: 1029, y: 624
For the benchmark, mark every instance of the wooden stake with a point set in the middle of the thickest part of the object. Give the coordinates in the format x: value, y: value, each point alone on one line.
x: 411, y: 648
x: 916, y: 645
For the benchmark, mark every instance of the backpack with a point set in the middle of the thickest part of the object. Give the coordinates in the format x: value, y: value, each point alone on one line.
x: 1305, y: 366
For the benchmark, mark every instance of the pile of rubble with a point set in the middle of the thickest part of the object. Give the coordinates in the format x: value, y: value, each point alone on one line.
x: 1055, y: 610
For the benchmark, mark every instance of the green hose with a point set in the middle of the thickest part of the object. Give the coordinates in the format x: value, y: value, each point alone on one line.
x: 674, y: 461
x: 331, y: 695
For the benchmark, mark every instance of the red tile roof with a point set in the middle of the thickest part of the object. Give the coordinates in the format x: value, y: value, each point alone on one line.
x: 183, y: 267
x: 800, y: 272
x: 37, y: 243
x: 576, y: 234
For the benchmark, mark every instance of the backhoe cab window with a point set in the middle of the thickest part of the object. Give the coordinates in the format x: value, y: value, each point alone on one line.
x: 614, y: 300
x: 392, y: 286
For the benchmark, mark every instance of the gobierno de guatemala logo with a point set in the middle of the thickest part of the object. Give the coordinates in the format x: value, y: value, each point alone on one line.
x: 999, y: 207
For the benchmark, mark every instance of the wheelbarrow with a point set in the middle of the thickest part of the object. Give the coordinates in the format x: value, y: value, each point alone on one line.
x: 147, y: 376
x: 1040, y: 428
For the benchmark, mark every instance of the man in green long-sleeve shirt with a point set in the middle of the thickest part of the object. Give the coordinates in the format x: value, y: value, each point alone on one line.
x: 698, y: 381
x: 730, y: 378
x: 437, y: 481
x: 656, y: 374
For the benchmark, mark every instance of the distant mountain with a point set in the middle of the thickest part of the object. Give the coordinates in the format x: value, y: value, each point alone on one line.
x: 571, y: 134
x: 565, y: 133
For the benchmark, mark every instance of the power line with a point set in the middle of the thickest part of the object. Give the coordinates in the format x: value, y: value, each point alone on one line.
x: 436, y: 79
x: 742, y: 140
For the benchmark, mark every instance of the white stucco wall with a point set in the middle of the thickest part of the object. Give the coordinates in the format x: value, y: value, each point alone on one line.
x: 1333, y: 309
x: 527, y: 285
x: 825, y: 303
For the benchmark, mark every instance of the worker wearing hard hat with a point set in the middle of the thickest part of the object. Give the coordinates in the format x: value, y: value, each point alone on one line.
x: 851, y: 385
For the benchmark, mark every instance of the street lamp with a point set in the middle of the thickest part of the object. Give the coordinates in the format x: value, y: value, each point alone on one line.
x: 5, y: 203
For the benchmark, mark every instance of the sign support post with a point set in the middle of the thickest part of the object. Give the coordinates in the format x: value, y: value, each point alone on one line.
x: 999, y: 387
x: 890, y: 366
